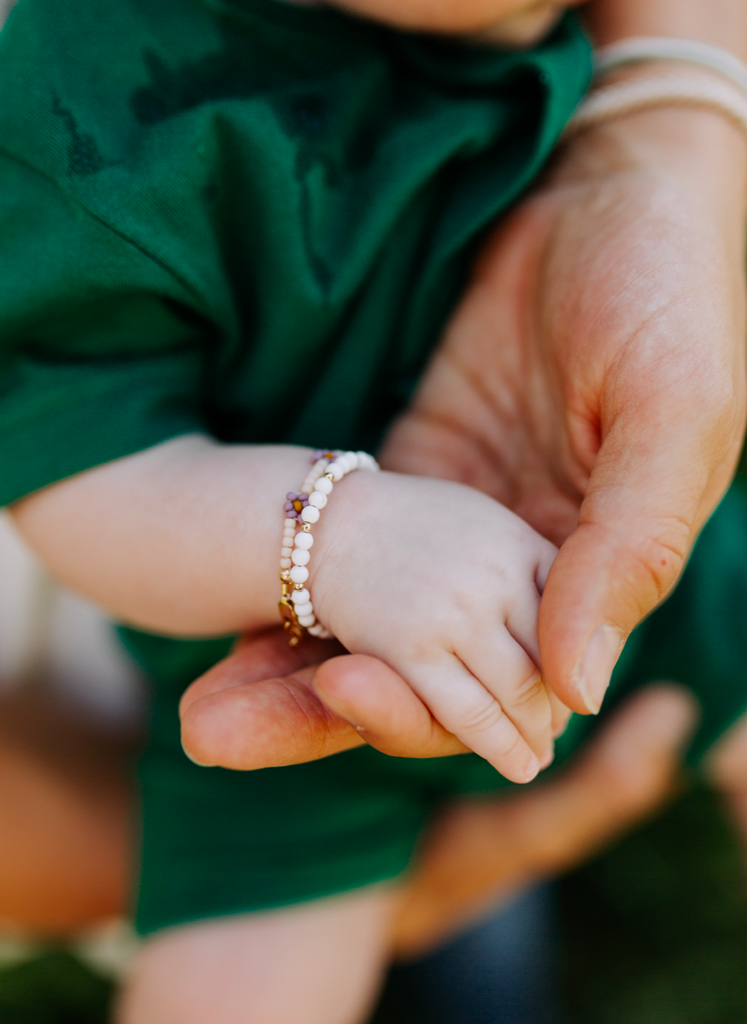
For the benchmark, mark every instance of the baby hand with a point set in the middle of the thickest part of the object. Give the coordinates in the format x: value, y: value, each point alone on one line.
x: 443, y: 584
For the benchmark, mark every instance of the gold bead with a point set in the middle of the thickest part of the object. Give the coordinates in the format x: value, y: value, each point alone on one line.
x: 307, y: 527
x: 298, y: 586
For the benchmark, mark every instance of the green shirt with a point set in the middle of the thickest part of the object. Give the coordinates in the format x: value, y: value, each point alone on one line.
x: 241, y: 217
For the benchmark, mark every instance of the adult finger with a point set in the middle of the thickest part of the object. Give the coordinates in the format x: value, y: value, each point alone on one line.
x: 726, y: 762
x: 386, y: 712
x: 479, y: 851
x: 561, y: 716
x: 651, y: 490
x: 256, y: 657
x: 257, y: 708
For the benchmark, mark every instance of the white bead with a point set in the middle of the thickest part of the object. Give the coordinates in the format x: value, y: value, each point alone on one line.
x: 306, y: 620
x: 326, y: 634
x: 304, y: 609
x: 304, y: 541
x: 324, y: 485
x: 317, y: 499
x: 286, y: 552
x: 335, y: 470
x: 300, y: 557
x: 316, y: 630
x: 285, y: 563
x: 310, y: 514
x: 299, y: 573
x: 291, y: 524
x: 355, y: 462
x: 301, y: 596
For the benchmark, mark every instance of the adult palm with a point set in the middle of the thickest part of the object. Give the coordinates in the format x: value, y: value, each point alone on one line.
x: 592, y: 380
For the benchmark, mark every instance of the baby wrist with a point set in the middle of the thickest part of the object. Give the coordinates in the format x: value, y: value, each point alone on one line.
x: 303, y: 510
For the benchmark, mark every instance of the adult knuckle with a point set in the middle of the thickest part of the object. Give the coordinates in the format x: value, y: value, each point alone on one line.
x: 660, y: 558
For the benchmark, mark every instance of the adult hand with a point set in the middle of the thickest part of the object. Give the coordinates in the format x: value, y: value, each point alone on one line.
x: 481, y: 850
x: 593, y: 377
x: 258, y: 708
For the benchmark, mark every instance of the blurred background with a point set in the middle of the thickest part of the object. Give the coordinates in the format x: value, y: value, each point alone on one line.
x: 654, y: 931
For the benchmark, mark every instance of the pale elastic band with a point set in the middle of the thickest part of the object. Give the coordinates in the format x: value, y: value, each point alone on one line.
x: 612, y: 101
x: 689, y: 51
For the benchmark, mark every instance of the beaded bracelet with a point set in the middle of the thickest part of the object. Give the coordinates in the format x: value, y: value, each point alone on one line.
x: 304, y: 508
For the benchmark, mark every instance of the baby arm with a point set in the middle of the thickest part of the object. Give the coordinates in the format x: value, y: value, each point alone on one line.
x: 437, y: 580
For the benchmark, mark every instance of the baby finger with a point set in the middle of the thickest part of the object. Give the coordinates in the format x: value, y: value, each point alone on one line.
x: 460, y: 702
x: 507, y: 672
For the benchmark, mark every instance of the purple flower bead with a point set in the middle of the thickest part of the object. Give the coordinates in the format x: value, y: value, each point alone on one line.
x: 295, y: 504
x: 322, y: 453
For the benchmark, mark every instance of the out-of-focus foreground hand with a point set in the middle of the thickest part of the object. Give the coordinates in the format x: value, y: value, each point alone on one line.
x: 481, y: 850
x: 592, y: 378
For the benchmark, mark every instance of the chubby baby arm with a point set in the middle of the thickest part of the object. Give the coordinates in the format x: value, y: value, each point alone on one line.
x: 435, y: 579
x: 182, y: 538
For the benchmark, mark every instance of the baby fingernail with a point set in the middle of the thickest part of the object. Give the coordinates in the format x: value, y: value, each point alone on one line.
x: 594, y: 670
x: 533, y: 770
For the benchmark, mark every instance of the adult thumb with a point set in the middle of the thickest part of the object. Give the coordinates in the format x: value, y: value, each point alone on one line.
x: 647, y: 500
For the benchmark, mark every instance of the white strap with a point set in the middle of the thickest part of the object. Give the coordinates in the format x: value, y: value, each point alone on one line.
x: 690, y: 51
x: 659, y: 91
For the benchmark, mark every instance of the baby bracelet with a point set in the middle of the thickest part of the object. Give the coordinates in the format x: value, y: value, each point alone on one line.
x: 304, y: 509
